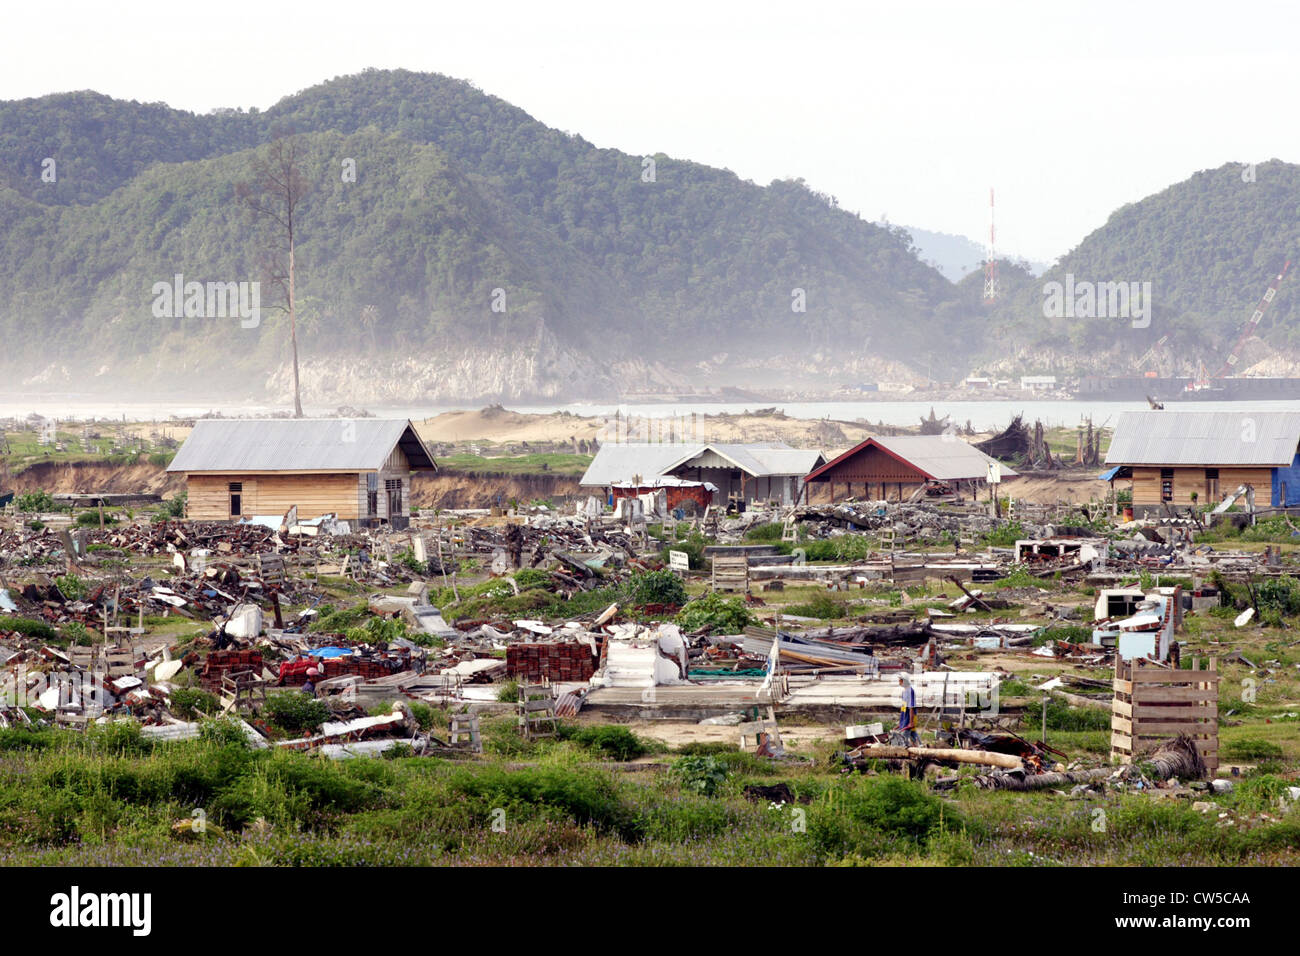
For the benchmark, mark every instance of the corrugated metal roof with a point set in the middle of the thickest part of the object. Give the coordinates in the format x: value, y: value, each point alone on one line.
x: 616, y: 462
x: 945, y: 457
x: 942, y: 457
x: 788, y: 461
x: 1247, y: 437
x: 620, y: 461
x: 298, y: 444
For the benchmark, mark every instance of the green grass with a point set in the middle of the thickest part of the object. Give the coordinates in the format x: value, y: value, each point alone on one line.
x: 110, y: 797
x: 25, y: 451
x: 555, y: 463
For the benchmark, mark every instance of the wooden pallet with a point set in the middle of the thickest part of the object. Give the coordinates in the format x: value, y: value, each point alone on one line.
x: 465, y: 726
x: 270, y: 568
x: 730, y: 573
x: 1153, y: 704
x: 241, y: 689
x: 537, y: 711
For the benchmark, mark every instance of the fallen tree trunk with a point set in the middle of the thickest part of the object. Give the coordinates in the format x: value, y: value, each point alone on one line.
x: 984, y: 757
x: 1041, y: 781
x: 1174, y: 758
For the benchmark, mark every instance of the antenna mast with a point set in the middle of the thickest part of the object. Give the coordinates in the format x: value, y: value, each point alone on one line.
x: 991, y: 287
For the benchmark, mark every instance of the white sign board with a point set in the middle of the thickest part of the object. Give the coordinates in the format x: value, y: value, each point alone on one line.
x: 995, y: 473
x: 679, y: 561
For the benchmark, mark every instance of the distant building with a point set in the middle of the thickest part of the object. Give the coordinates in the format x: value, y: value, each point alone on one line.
x: 1034, y: 383
x: 978, y: 383
x: 357, y: 469
x: 1169, y: 456
x: 893, y: 468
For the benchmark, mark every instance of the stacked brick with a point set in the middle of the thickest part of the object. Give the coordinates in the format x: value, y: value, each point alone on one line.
x: 553, y: 662
x: 219, y: 663
x: 367, y: 668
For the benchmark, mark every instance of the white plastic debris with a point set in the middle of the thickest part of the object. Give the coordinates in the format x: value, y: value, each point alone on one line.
x: 245, y: 622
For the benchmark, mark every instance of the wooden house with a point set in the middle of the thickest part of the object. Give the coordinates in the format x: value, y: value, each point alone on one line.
x: 356, y: 469
x: 738, y: 473
x: 1190, y: 458
x: 894, y: 468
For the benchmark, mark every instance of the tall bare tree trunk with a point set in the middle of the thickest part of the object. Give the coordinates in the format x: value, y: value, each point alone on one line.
x: 293, y: 332
x: 273, y: 195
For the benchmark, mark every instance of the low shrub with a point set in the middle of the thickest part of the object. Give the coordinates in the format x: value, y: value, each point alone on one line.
x: 723, y: 615
x: 821, y: 606
x: 765, y: 532
x: 27, y: 626
x: 71, y: 586
x: 870, y: 815
x: 39, y: 501
x: 88, y: 519
x: 341, y: 620
x: 702, y: 775
x: 296, y: 712
x: 190, y: 702
x: 611, y: 741
x: 527, y: 578
x: 655, y: 587
x: 377, y: 630
x: 1005, y: 535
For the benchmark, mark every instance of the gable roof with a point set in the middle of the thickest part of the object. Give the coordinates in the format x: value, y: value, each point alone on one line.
x: 1247, y: 437
x: 938, y: 457
x: 299, y: 444
x: 618, y: 462
x: 761, y: 459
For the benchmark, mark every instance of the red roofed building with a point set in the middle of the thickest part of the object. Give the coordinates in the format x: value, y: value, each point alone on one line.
x: 894, y: 468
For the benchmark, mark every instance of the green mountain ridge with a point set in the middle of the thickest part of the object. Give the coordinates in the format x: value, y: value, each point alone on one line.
x: 609, y: 282
x: 1209, y: 245
x: 457, y: 194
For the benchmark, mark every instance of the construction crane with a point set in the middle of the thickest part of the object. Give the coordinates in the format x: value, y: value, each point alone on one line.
x: 1150, y: 354
x: 1252, y: 326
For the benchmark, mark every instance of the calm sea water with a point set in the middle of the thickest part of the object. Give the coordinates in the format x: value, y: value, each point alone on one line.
x: 983, y: 415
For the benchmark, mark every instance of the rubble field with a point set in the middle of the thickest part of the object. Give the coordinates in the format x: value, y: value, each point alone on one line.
x: 659, y: 690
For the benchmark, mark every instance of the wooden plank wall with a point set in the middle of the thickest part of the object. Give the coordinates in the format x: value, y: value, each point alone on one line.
x: 874, y: 466
x: 1153, y: 704
x: 397, y: 467
x: 1146, y: 485
x: 315, y: 495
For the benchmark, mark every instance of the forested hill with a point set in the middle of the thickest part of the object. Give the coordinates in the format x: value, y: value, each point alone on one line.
x: 1209, y: 245
x: 601, y: 257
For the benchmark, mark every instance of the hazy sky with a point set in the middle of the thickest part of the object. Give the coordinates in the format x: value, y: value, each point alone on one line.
x: 906, y: 109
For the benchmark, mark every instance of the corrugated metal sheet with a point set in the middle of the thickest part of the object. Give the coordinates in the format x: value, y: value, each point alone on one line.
x: 945, y: 457
x: 942, y: 457
x: 1166, y: 437
x: 297, y: 444
x: 618, y: 462
x: 788, y: 461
